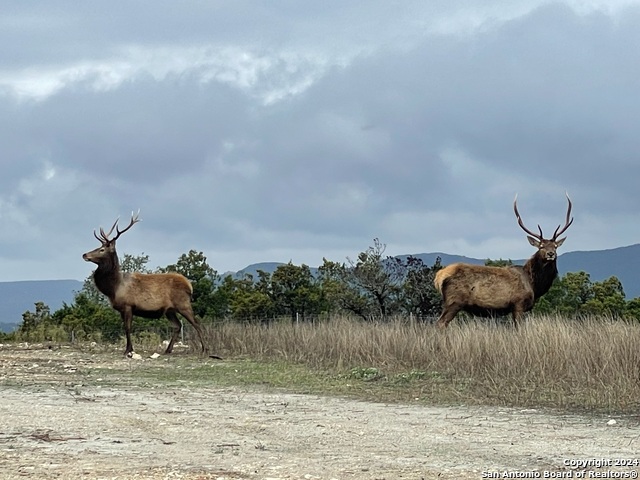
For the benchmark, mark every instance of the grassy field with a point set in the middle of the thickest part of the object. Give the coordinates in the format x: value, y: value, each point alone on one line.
x: 549, y: 362
x: 591, y: 365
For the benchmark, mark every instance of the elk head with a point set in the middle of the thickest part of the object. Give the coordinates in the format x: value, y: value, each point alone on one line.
x: 108, y: 247
x: 546, y: 247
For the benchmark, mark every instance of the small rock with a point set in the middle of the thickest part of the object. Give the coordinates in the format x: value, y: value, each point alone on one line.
x: 611, y: 422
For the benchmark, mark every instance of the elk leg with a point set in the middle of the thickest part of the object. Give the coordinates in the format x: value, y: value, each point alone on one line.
x: 188, y: 314
x: 448, y: 313
x: 177, y: 327
x: 127, y: 319
x: 516, y: 314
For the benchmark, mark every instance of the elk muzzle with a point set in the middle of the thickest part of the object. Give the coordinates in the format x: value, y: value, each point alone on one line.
x: 92, y: 256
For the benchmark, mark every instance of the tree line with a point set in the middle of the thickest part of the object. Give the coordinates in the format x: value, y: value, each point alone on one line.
x: 372, y: 287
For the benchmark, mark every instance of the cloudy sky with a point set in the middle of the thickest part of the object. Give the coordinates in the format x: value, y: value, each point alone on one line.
x: 294, y: 130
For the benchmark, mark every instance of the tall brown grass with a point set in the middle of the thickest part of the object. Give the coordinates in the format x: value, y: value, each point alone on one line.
x: 591, y: 363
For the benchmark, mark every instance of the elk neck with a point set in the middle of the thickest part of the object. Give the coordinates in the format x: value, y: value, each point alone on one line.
x: 108, y: 276
x: 541, y: 273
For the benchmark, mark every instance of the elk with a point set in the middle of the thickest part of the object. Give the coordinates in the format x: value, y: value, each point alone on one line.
x: 494, y: 291
x: 148, y: 295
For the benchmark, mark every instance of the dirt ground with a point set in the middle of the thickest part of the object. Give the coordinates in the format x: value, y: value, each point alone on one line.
x: 54, y: 424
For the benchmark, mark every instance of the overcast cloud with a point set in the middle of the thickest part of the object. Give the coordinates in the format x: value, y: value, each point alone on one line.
x: 297, y: 130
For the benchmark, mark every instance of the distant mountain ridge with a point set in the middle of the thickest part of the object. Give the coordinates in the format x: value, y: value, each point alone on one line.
x: 622, y: 262
x: 19, y: 297
x: 252, y: 270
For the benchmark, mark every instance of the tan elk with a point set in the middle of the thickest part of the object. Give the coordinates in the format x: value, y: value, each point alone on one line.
x: 492, y: 291
x: 148, y: 295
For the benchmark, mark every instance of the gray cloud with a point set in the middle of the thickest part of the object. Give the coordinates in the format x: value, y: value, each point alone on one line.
x: 277, y: 133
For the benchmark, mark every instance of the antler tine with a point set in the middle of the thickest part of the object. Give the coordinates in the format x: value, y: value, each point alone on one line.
x: 132, y: 222
x: 104, y: 237
x: 111, y: 229
x: 515, y: 209
x: 568, y: 221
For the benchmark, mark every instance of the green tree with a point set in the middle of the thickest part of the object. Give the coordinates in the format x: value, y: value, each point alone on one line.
x: 375, y: 276
x: 340, y: 293
x: 578, y: 290
x: 33, y: 323
x: 135, y: 263
x: 87, y: 319
x: 331, y: 285
x: 419, y: 295
x: 607, y: 298
x: 632, y: 308
x: 567, y: 295
x: 498, y: 263
x: 250, y: 300
x: 576, y: 294
x: 194, y: 266
x: 222, y: 297
x: 370, y: 286
x: 40, y: 326
x: 295, y: 291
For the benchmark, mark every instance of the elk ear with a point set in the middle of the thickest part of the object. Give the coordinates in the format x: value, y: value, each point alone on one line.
x: 534, y: 241
x: 560, y: 241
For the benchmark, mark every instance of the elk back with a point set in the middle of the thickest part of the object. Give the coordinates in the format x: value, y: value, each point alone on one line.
x: 484, y: 290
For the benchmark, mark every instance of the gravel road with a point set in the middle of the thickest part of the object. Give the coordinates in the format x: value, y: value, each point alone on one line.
x: 53, y: 427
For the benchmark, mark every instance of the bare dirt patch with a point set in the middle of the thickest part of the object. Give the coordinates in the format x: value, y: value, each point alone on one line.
x: 58, y: 422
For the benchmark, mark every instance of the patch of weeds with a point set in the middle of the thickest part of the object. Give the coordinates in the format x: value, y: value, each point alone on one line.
x: 367, y: 374
x: 146, y: 341
x: 411, y: 376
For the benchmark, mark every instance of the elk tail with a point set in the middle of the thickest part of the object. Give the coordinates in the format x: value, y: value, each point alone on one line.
x: 442, y: 276
x: 439, y: 280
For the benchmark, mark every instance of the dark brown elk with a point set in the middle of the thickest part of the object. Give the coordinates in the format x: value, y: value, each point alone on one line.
x: 148, y: 295
x: 493, y: 291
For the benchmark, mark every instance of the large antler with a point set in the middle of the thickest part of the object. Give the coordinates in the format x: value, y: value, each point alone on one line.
x: 104, y: 237
x: 567, y: 222
x: 558, y: 231
x: 515, y: 209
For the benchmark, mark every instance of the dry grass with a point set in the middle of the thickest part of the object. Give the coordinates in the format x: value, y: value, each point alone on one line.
x: 554, y: 362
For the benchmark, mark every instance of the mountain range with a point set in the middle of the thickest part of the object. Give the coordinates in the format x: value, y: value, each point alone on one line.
x: 19, y: 297
x: 622, y: 262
